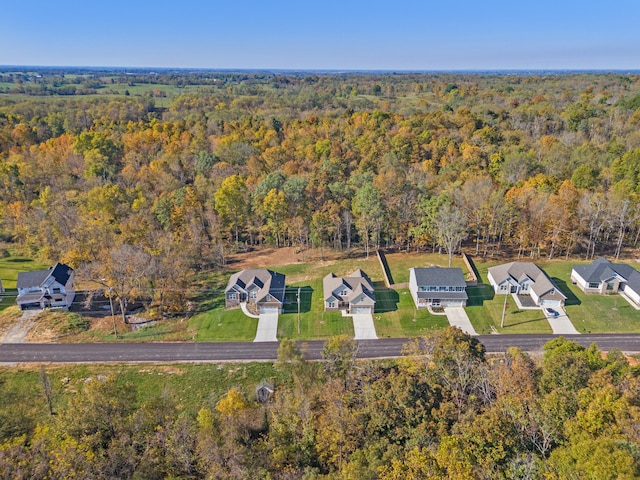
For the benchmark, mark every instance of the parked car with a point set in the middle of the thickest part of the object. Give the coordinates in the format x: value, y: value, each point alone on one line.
x: 552, y: 312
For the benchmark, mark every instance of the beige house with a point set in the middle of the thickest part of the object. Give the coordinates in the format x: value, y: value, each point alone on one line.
x: 526, y: 278
x: 353, y: 293
x: 259, y: 286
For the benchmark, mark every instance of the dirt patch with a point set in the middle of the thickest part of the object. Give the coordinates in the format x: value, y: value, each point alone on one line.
x: 269, y: 256
x: 19, y: 331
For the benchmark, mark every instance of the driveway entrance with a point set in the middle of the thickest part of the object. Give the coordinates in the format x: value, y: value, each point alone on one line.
x: 561, y: 325
x: 457, y: 317
x: 363, y: 326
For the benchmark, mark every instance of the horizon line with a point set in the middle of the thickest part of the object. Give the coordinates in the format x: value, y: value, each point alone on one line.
x: 152, y: 69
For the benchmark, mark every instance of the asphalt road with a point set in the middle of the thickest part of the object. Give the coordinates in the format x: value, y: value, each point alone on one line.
x: 241, y: 351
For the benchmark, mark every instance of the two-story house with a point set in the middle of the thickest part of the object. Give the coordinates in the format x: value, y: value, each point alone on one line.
x: 438, y: 287
x: 51, y: 288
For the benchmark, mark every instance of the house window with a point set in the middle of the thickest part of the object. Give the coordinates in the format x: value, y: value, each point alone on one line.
x: 253, y: 294
x: 610, y: 286
x: 593, y: 285
x: 504, y: 287
x: 422, y: 289
x: 459, y: 289
x: 343, y: 293
x: 433, y: 289
x: 57, y: 290
x: 525, y: 287
x: 332, y: 304
x: 442, y: 289
x: 232, y: 296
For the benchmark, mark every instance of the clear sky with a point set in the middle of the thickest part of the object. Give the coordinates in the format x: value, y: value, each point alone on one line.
x: 329, y: 34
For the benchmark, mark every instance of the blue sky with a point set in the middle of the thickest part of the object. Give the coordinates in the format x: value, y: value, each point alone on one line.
x: 330, y: 34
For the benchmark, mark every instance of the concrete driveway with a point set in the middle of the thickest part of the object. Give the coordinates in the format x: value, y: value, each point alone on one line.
x: 457, y: 317
x: 364, y: 327
x: 561, y: 325
x: 267, y: 328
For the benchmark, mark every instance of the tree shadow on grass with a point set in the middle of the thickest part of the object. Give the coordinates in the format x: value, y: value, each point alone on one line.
x: 564, y: 288
x: 291, y: 299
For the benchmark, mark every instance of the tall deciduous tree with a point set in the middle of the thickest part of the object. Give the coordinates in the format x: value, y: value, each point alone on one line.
x: 232, y: 203
x: 368, y: 209
x: 451, y: 228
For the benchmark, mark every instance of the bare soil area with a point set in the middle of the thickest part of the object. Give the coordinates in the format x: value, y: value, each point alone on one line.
x: 269, y: 256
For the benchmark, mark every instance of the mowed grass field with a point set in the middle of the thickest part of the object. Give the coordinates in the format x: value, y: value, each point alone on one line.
x: 395, y: 314
x: 588, y: 313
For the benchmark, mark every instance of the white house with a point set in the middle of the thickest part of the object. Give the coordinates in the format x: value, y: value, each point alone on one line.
x: 526, y: 278
x: 603, y: 277
x: 353, y: 293
x: 51, y: 288
x: 437, y: 286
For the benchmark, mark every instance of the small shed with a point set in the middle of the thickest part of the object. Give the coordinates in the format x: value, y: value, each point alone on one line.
x: 264, y: 391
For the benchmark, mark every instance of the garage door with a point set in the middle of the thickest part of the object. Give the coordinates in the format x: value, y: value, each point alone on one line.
x: 268, y: 309
x: 361, y: 310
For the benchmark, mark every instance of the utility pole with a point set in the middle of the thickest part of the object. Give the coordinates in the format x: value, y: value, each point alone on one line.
x: 298, y: 310
x: 113, y: 316
x: 504, y: 310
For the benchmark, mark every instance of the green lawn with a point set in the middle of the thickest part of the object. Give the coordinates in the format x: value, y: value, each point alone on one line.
x: 11, y: 266
x: 593, y: 313
x: 395, y: 314
x: 223, y: 326
x: 405, y: 320
x: 400, y: 263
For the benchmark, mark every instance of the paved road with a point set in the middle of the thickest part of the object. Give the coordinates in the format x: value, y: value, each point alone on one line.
x: 220, y: 352
x: 457, y: 317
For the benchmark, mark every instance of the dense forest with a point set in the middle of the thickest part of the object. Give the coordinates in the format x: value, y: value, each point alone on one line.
x: 157, y: 176
x: 444, y: 410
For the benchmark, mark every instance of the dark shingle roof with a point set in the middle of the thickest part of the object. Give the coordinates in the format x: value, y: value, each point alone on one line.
x: 438, y: 276
x: 602, y: 270
x: 59, y: 271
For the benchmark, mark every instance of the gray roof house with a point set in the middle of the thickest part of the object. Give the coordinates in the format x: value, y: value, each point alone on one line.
x: 353, y: 293
x: 603, y: 277
x: 438, y: 287
x: 259, y: 286
x: 526, y: 278
x: 51, y: 288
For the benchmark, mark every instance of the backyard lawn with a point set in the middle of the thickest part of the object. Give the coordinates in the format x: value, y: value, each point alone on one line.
x: 395, y: 314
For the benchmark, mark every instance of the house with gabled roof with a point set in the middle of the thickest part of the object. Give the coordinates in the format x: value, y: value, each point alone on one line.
x: 50, y: 288
x: 526, y: 278
x: 438, y: 287
x: 259, y: 286
x: 353, y: 293
x: 603, y: 277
